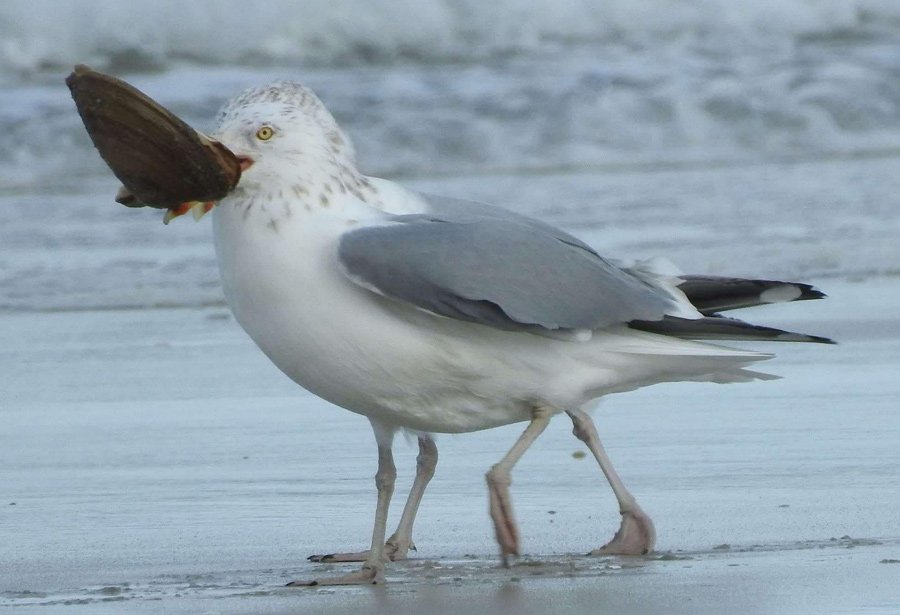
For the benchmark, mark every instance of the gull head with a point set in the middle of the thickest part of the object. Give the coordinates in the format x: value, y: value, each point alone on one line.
x: 283, y: 137
x: 286, y: 141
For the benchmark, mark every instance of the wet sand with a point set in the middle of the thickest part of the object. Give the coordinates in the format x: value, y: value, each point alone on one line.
x: 154, y: 461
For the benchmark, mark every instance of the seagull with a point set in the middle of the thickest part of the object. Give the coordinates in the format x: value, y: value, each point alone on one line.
x: 433, y: 315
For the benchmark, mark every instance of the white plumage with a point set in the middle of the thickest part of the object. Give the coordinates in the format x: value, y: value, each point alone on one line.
x: 403, y: 366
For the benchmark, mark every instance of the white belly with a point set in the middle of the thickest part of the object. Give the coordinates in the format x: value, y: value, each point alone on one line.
x: 408, y: 368
x: 345, y: 344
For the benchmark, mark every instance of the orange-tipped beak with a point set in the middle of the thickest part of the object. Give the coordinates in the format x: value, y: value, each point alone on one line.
x: 197, y: 208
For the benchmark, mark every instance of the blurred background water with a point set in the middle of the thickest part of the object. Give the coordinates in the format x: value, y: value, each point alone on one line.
x: 733, y: 137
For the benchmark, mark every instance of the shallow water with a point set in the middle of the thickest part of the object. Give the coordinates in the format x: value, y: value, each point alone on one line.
x: 760, y: 139
x: 156, y: 455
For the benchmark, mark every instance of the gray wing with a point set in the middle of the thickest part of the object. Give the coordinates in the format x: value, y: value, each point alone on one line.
x: 504, y: 271
x: 460, y: 210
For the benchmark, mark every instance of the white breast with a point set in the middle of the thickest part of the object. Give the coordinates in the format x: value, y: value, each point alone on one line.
x: 337, y: 340
x: 403, y: 366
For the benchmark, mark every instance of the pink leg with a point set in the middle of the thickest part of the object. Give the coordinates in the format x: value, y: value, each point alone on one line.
x: 398, y: 545
x: 499, y: 480
x: 636, y: 535
x: 373, y: 568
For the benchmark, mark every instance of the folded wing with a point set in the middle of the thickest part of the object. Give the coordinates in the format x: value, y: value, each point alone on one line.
x: 508, y: 273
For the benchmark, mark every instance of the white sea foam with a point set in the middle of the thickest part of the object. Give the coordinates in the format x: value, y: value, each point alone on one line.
x: 571, y: 96
x: 453, y: 86
x: 140, y: 33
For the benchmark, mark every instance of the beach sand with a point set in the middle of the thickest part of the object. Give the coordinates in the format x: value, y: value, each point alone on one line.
x: 154, y: 461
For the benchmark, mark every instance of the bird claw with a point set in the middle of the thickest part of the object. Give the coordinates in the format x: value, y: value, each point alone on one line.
x: 395, y: 549
x: 333, y: 558
x: 636, y: 535
x: 502, y: 515
x: 368, y: 575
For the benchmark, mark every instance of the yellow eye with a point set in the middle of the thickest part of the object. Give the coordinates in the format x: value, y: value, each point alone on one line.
x: 265, y: 133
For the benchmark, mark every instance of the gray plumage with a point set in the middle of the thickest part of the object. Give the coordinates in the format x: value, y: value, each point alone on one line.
x: 480, y: 263
x: 460, y: 210
x: 493, y: 267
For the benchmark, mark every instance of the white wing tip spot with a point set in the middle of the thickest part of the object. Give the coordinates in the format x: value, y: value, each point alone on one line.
x: 780, y: 294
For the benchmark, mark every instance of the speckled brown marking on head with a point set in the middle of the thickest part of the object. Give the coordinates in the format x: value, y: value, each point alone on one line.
x: 322, y: 166
x: 250, y: 202
x: 336, y: 140
x: 288, y: 92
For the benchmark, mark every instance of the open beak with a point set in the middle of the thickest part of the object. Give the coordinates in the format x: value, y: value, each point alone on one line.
x: 199, y: 209
x: 161, y: 160
x: 245, y: 162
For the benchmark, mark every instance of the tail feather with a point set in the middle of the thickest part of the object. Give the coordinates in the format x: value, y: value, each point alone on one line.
x: 721, y: 328
x: 711, y: 294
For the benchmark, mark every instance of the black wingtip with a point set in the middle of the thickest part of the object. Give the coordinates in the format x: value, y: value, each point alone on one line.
x: 713, y: 294
x: 723, y: 328
x: 808, y: 292
x: 821, y: 340
x: 790, y: 336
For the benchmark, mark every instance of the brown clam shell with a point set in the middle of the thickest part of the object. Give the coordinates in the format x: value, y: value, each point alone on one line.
x: 161, y: 161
